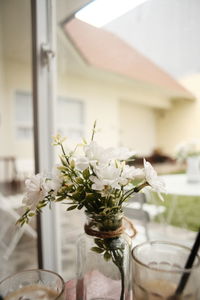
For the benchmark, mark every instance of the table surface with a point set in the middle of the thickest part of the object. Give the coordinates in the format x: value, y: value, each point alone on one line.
x: 178, y: 185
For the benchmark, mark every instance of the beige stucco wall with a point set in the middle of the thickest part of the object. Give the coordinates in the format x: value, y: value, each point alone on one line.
x: 138, y: 127
x: 120, y: 122
x: 182, y: 121
x: 101, y: 103
x: 17, y: 77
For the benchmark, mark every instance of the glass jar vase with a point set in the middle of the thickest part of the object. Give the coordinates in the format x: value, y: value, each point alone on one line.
x: 103, y: 260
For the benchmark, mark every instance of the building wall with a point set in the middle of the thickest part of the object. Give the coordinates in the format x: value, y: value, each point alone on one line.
x: 101, y: 103
x: 120, y: 122
x: 182, y: 121
x: 17, y: 77
x: 138, y: 127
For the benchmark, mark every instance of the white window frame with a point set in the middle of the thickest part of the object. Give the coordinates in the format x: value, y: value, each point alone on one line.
x: 44, y: 86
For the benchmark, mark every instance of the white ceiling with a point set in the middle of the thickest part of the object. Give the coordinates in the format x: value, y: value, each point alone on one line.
x: 166, y: 31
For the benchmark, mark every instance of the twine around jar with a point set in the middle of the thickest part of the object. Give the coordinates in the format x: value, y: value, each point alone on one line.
x: 110, y: 234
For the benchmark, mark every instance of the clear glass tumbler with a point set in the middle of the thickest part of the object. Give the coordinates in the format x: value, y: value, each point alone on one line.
x: 158, y: 268
x: 32, y: 285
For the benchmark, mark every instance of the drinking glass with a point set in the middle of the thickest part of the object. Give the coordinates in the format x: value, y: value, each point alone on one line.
x: 158, y: 268
x: 32, y: 285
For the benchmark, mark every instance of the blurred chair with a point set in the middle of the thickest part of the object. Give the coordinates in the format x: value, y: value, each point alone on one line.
x: 134, y: 210
x: 10, y: 233
x: 8, y: 175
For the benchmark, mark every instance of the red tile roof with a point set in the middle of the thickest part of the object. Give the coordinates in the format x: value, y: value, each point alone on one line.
x: 105, y: 50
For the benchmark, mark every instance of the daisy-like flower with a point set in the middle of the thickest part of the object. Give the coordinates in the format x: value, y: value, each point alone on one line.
x: 132, y: 172
x: 106, y: 176
x: 152, y: 178
x: 82, y: 163
x: 53, y: 184
x: 35, y: 191
x: 97, y: 154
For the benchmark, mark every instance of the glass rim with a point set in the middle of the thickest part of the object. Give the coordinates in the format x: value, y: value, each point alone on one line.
x: 180, y: 270
x: 38, y: 270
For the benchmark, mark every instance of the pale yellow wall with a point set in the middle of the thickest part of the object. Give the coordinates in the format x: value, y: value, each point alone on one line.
x: 182, y: 121
x: 138, y: 128
x: 17, y: 77
x: 2, y: 93
x: 121, y: 123
x: 101, y: 103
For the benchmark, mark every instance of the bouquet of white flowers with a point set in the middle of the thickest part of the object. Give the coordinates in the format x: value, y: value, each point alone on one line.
x: 98, y: 181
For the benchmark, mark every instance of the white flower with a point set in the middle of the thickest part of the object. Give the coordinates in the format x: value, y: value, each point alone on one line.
x: 122, y: 153
x: 82, y: 163
x: 97, y: 154
x: 152, y: 178
x: 131, y: 172
x: 54, y: 183
x: 35, y: 191
x: 106, y: 176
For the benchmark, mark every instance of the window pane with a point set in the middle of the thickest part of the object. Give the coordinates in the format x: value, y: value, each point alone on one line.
x: 18, y: 247
x: 138, y: 76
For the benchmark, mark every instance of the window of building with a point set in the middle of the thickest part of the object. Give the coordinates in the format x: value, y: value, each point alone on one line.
x: 23, y: 115
x: 70, y: 118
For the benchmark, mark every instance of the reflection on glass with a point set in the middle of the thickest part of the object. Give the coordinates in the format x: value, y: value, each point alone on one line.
x: 138, y: 77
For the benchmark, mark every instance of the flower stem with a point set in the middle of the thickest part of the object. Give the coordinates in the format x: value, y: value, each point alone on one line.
x: 93, y: 130
x: 118, y: 261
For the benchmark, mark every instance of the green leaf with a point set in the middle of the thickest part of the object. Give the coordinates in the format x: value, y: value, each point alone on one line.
x: 72, y: 207
x: 78, y: 196
x: 63, y: 160
x: 80, y: 189
x: 79, y: 180
x: 99, y: 243
x: 90, y: 197
x: 60, y: 198
x: 80, y: 206
x: 40, y: 205
x: 31, y: 214
x: 72, y: 164
x: 97, y: 249
x: 86, y: 173
x: 107, y: 256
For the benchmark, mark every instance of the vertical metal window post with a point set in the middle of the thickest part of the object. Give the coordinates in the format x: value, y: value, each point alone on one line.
x: 44, y: 88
